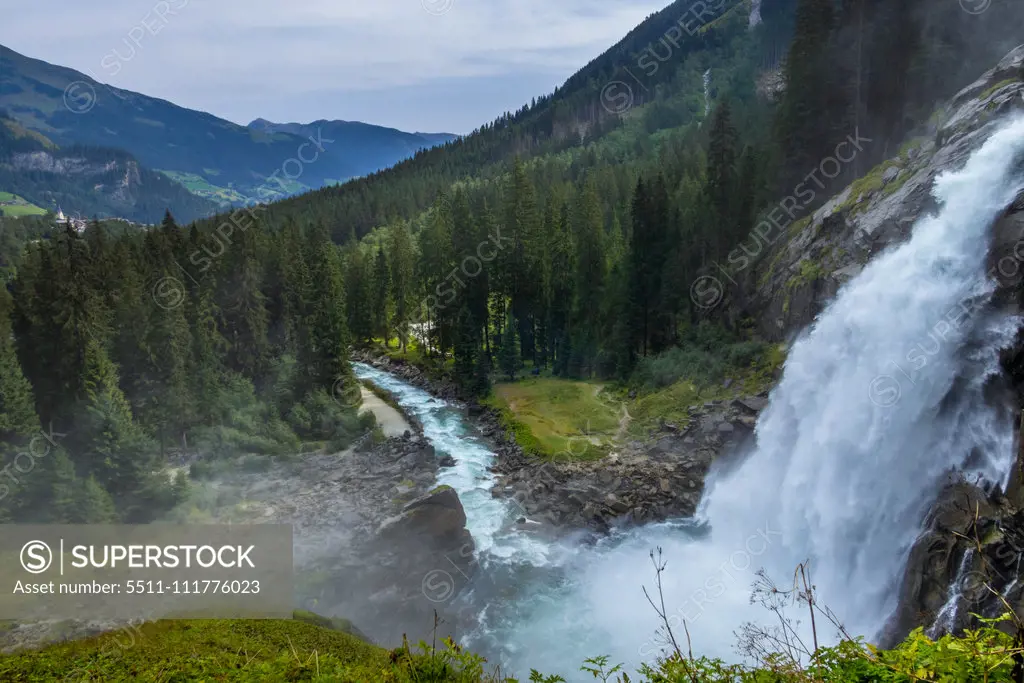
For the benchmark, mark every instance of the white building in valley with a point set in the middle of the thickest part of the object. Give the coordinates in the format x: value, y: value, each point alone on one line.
x: 77, y: 224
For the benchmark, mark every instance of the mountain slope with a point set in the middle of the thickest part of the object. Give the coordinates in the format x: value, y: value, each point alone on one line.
x: 72, y: 108
x: 89, y: 181
x: 605, y: 96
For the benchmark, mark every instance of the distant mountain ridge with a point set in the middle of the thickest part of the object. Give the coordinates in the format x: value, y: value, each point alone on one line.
x: 210, y: 156
x: 413, y: 141
x: 377, y: 146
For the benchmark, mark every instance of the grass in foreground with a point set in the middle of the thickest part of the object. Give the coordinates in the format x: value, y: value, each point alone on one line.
x: 303, y: 650
x: 212, y: 650
x: 306, y: 648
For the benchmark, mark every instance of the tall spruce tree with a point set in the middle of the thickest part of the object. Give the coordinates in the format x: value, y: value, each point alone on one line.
x: 381, y: 307
x: 403, y: 264
x: 509, y: 354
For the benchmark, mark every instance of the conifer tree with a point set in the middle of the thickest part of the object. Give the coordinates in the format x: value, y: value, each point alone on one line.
x: 466, y: 348
x: 508, y: 354
x: 170, y: 340
x: 809, y: 104
x: 588, y: 229
x: 381, y: 307
x: 358, y: 294
x: 559, y: 282
x: 403, y: 263
x: 18, y: 419
x: 436, y: 314
x: 521, y: 261
x: 115, y: 449
x: 133, y: 308
x: 208, y: 349
x: 721, y: 179
x: 328, y: 334
x: 243, y: 309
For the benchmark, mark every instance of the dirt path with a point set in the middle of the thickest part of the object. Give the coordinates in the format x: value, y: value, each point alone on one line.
x: 620, y: 436
x: 391, y: 422
x: 624, y: 419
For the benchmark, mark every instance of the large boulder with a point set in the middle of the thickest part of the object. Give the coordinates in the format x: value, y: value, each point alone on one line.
x: 935, y: 559
x: 437, y: 518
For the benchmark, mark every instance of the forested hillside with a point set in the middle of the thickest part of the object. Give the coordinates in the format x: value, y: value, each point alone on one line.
x: 569, y: 234
x: 604, y: 207
x: 110, y: 363
x: 876, y: 65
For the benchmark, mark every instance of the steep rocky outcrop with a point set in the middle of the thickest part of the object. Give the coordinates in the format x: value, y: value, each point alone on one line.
x: 803, y: 265
x: 89, y: 181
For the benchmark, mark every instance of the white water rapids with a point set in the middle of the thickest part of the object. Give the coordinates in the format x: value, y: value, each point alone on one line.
x: 881, y: 399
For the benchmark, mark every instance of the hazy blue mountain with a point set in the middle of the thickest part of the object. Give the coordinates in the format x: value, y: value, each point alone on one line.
x: 212, y: 157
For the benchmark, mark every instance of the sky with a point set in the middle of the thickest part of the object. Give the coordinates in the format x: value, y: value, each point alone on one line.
x: 416, y: 65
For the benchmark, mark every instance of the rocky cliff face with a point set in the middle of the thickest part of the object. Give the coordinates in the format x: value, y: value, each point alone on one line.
x: 119, y: 181
x: 803, y: 267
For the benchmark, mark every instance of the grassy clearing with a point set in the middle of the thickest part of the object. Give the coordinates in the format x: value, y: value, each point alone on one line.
x: 666, y: 385
x: 669, y: 405
x: 198, y: 185
x: 18, y: 206
x: 552, y: 417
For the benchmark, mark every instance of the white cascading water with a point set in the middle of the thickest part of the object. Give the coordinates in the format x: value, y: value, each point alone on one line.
x: 945, y: 620
x: 755, y: 13
x: 447, y: 431
x: 879, y: 402
x: 707, y: 93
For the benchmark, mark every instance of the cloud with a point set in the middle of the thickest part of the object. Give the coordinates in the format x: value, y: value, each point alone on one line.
x: 303, y: 60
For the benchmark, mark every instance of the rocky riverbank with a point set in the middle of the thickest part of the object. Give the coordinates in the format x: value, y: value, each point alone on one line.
x: 639, y: 482
x: 369, y: 524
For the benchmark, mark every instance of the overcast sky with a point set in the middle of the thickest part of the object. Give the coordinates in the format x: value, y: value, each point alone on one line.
x: 418, y: 65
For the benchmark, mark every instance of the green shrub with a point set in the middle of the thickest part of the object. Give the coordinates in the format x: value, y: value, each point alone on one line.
x: 706, y: 355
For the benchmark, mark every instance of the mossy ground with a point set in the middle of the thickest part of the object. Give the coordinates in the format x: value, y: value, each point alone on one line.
x: 297, y: 650
x: 998, y: 86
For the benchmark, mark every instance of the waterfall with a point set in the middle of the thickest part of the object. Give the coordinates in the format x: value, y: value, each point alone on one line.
x: 880, y: 400
x: 707, y: 93
x: 945, y: 620
x: 755, y: 13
